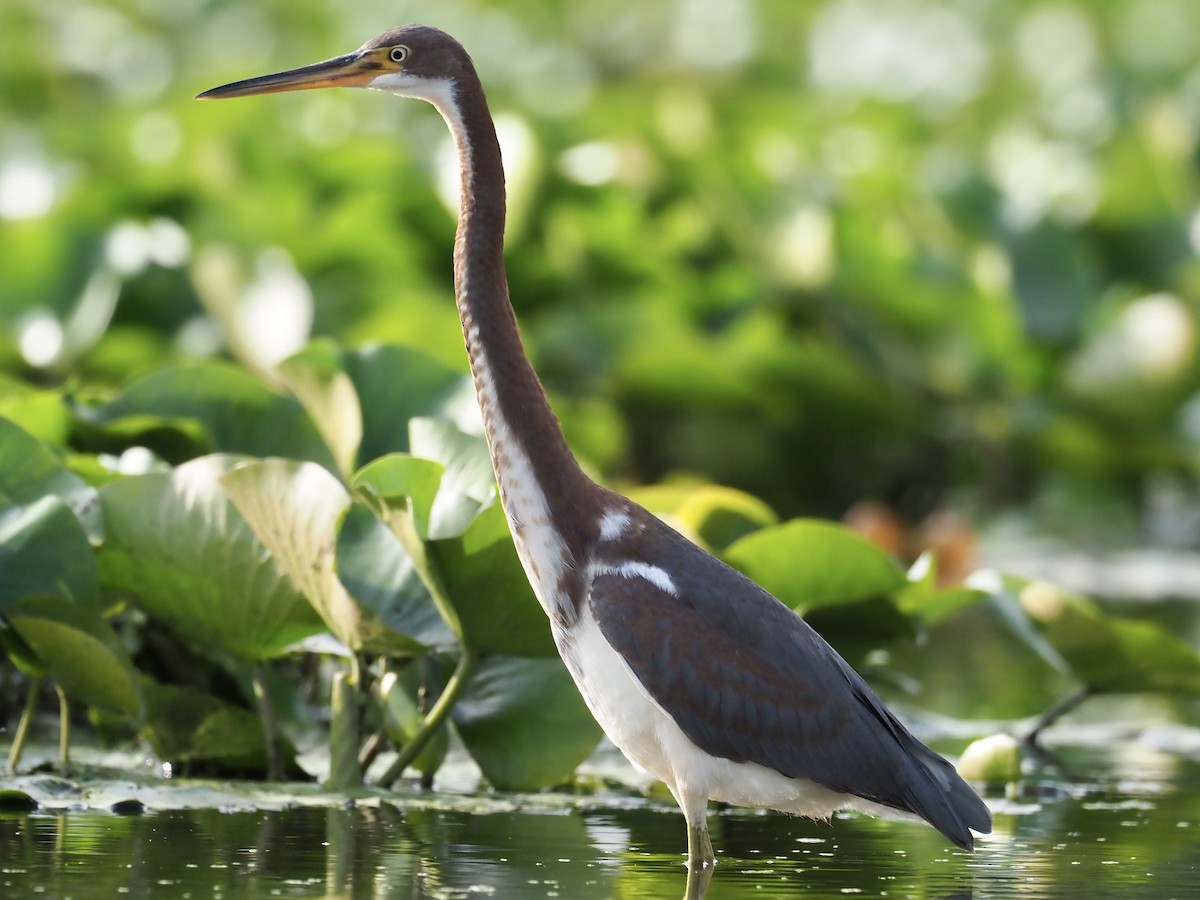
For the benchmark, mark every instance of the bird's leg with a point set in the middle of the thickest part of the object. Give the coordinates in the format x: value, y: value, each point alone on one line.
x: 697, y: 883
x: 700, y: 851
x: 694, y: 805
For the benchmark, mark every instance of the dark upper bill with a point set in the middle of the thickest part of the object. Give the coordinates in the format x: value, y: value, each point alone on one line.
x: 352, y: 70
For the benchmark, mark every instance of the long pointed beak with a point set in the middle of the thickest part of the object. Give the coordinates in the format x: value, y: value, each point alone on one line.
x: 352, y: 70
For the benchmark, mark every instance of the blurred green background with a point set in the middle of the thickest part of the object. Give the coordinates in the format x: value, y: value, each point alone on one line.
x: 934, y: 254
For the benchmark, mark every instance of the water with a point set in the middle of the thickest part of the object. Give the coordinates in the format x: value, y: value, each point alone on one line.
x: 1131, y: 837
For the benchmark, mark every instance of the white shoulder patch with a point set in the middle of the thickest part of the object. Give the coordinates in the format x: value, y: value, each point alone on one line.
x: 637, y: 569
x: 613, y: 524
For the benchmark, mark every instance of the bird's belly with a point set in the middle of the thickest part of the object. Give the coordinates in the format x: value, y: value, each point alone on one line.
x: 652, y: 741
x: 626, y: 712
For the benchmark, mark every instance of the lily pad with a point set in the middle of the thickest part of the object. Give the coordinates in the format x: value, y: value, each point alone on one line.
x: 180, y: 547
x: 489, y: 590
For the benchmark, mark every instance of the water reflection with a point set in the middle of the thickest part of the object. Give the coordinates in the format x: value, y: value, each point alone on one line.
x: 1138, y: 838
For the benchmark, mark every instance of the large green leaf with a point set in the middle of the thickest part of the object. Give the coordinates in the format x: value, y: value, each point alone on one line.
x: 180, y: 547
x: 808, y: 564
x: 489, y: 590
x: 29, y: 470
x: 190, y: 728
x: 235, y: 412
x: 922, y: 598
x: 79, y: 651
x: 524, y: 722
x: 380, y: 575
x: 406, y: 481
x: 447, y: 478
x: 297, y: 509
x: 1106, y: 653
x: 395, y: 384
x: 44, y: 552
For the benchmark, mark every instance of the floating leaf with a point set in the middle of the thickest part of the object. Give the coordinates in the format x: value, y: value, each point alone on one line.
x: 296, y: 509
x: 177, y: 544
x: 524, y: 722
x: 79, y: 651
x: 808, y: 564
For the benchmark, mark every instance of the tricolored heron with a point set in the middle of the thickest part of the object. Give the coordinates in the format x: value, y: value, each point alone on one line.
x: 697, y: 674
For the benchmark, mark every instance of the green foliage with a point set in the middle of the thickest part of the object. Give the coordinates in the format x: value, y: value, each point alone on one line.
x: 79, y: 651
x: 178, y: 547
x: 811, y: 276
x: 525, y: 723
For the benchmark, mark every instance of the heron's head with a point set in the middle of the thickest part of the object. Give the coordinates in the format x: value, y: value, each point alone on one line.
x: 412, y: 61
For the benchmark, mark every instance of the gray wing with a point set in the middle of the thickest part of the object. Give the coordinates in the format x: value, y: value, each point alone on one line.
x: 746, y: 679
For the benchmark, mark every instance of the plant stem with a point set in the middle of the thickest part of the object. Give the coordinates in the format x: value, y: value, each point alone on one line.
x: 18, y: 744
x: 270, y: 728
x: 345, y: 773
x: 462, y: 672
x: 64, y: 729
x: 1057, y: 711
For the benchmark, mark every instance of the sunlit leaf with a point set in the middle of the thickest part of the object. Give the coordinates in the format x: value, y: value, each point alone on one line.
x: 717, y: 515
x: 524, y: 722
x: 808, y: 564
x: 398, y: 478
x: 468, y: 482
x: 296, y: 509
x: 180, y: 547
x: 315, y: 377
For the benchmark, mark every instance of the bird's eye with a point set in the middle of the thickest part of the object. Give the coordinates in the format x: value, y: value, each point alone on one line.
x: 399, y: 53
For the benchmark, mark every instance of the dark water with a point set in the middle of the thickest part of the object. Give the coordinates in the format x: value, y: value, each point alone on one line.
x: 1139, y: 838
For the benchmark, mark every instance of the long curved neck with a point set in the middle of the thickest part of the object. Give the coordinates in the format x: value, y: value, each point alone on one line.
x: 541, y: 484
